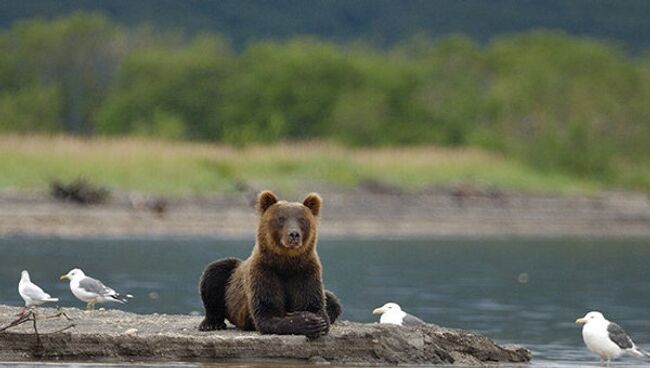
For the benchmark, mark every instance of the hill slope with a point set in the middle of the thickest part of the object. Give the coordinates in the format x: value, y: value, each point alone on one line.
x: 380, y: 21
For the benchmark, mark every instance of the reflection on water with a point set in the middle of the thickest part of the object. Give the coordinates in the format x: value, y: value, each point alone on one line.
x: 525, y: 292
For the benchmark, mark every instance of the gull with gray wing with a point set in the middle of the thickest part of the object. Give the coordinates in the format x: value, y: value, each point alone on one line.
x: 607, y: 339
x: 90, y: 290
x: 392, y: 313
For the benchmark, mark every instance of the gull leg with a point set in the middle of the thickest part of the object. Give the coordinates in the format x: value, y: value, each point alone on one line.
x: 22, y: 312
x: 59, y: 313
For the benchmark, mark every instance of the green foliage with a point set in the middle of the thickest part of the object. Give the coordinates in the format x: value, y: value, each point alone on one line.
x: 556, y: 102
x: 31, y: 110
x: 452, y: 95
x: 560, y: 102
x: 76, y: 55
x: 184, y: 83
x: 162, y: 125
x: 281, y: 91
x: 362, y: 115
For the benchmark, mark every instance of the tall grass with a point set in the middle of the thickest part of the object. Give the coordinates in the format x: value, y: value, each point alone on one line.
x: 180, y: 168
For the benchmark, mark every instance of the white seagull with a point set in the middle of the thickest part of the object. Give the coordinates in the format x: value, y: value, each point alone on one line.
x: 31, y: 293
x: 607, y: 339
x: 391, y: 313
x: 90, y: 290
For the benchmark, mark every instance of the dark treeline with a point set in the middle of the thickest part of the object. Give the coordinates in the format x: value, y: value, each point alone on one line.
x: 553, y: 100
x: 382, y: 22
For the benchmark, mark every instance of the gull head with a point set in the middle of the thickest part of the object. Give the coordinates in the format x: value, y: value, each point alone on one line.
x: 75, y: 273
x: 24, y: 276
x: 591, y: 317
x: 388, y: 307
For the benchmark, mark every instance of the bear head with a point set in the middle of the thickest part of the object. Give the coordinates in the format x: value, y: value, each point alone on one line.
x: 288, y: 228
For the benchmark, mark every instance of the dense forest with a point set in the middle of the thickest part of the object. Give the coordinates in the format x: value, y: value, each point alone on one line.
x: 555, y: 101
x: 381, y: 22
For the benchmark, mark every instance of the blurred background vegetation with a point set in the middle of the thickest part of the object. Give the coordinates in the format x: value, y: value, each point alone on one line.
x: 560, y: 103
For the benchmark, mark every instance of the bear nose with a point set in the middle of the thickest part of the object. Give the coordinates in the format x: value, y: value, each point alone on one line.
x: 294, y: 235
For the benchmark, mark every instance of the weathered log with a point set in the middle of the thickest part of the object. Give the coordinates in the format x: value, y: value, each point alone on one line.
x: 122, y: 336
x: 80, y: 191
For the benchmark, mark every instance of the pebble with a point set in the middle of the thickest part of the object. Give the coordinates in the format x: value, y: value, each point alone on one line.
x: 318, y: 360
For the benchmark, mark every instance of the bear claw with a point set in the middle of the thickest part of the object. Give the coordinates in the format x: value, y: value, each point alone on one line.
x: 313, y: 325
x: 208, y: 325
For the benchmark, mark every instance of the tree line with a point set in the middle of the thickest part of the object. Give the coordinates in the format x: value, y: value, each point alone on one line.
x: 382, y: 22
x: 553, y: 100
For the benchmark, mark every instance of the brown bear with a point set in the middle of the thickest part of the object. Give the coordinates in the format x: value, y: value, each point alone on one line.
x: 279, y: 288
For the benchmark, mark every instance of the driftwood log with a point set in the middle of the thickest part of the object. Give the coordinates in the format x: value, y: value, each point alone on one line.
x: 80, y: 191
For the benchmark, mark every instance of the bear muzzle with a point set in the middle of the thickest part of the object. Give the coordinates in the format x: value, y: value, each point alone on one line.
x: 293, y: 239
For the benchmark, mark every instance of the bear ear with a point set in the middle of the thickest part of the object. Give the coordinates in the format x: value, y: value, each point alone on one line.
x: 266, y: 200
x: 313, y: 201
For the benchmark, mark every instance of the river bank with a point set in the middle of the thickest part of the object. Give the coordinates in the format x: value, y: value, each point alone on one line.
x: 368, y: 211
x: 122, y: 336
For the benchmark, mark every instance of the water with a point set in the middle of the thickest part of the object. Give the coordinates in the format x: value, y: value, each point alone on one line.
x: 524, y: 292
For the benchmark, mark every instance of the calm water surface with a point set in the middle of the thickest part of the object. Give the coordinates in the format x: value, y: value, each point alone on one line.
x: 524, y: 292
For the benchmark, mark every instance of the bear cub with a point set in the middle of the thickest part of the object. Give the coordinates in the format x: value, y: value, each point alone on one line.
x: 279, y: 288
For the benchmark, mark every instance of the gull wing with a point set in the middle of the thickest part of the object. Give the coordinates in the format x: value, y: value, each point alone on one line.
x: 411, y: 320
x: 95, y: 286
x: 34, y: 292
x: 619, y: 337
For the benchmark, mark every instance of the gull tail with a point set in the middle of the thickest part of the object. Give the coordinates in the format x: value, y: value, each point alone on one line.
x: 638, y: 352
x: 118, y: 298
x: 48, y: 298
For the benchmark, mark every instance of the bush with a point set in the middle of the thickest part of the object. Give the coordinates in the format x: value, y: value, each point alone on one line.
x: 554, y: 101
x: 31, y: 110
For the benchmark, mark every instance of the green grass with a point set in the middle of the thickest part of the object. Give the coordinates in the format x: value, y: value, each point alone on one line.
x: 31, y: 162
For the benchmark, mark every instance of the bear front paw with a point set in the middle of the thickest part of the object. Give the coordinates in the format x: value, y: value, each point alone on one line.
x: 309, y: 324
x: 211, y: 325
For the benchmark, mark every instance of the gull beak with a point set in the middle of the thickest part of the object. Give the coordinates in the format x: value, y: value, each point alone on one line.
x: 378, y: 311
x: 64, y: 277
x: 581, y: 321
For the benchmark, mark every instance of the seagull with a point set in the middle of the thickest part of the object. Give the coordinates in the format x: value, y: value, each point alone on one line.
x: 607, y: 339
x: 90, y: 290
x: 391, y: 313
x: 31, y: 293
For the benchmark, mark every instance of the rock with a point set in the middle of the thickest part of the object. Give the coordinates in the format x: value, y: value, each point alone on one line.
x: 175, y: 338
x: 318, y: 360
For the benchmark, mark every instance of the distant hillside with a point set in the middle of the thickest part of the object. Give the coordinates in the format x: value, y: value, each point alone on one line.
x: 382, y: 22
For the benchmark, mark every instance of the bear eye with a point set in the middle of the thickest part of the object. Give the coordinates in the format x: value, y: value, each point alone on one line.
x: 281, y: 220
x: 303, y: 221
